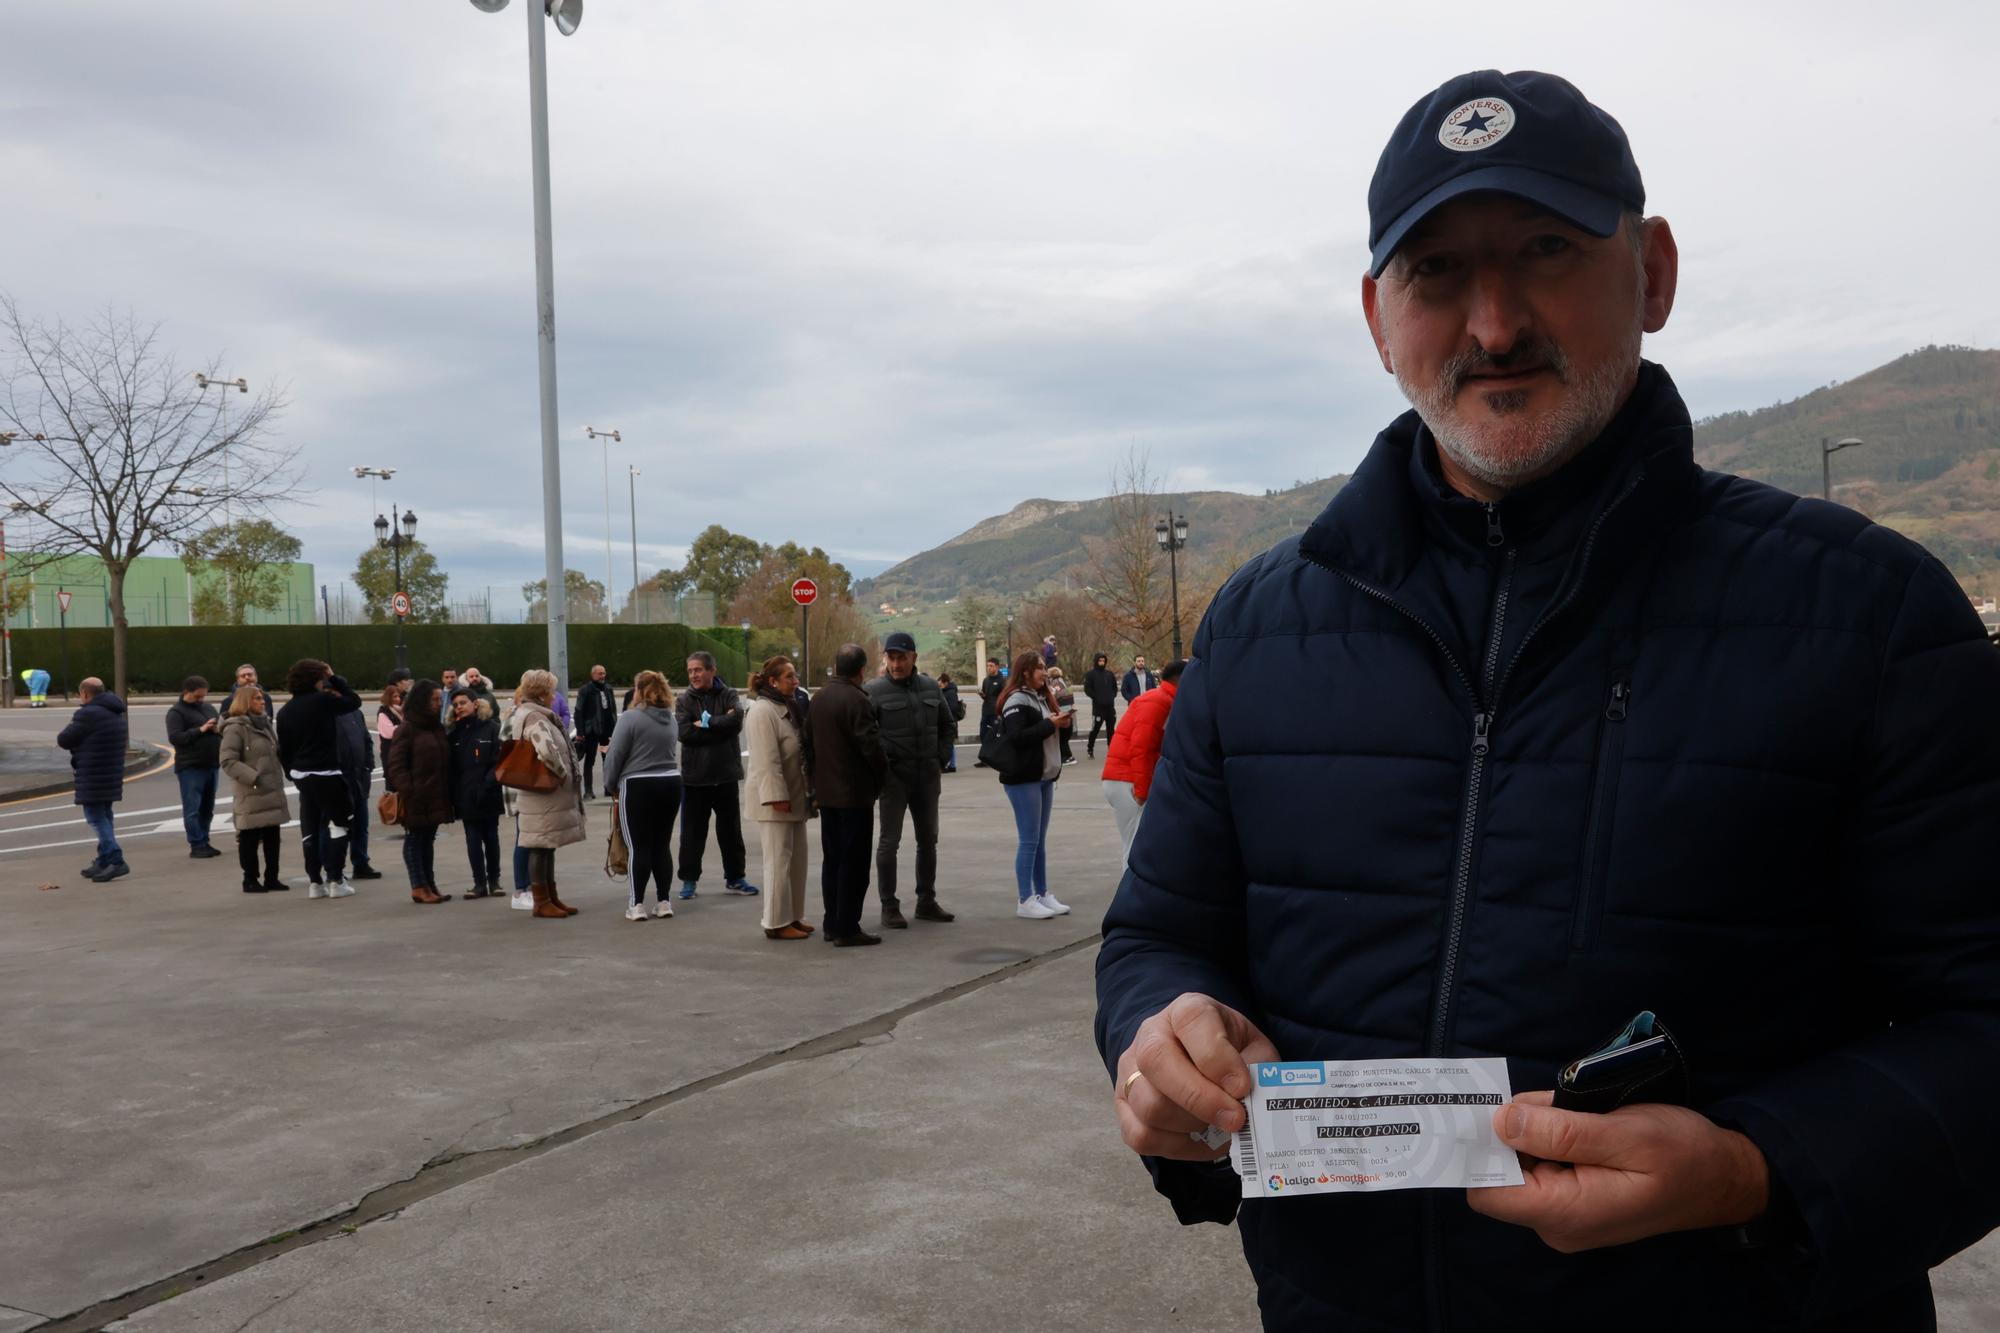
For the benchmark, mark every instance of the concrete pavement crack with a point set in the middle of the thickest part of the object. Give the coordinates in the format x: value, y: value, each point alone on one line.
x: 450, y: 1169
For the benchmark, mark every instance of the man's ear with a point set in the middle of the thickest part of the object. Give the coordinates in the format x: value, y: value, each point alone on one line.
x: 1660, y: 261
x: 1371, y: 307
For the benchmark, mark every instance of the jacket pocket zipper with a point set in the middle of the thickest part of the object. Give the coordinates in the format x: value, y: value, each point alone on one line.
x: 1603, y: 806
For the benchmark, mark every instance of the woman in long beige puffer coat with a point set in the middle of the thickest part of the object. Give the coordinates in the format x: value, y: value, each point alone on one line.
x: 548, y: 819
x: 779, y: 799
x: 257, y: 782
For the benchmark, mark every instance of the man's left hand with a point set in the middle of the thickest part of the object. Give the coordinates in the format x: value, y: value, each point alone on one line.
x: 1645, y: 1170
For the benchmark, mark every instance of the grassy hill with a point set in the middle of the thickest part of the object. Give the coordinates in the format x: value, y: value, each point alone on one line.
x: 1930, y: 469
x: 1028, y: 549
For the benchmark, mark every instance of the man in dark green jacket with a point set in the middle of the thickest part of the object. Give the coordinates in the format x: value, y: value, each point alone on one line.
x: 710, y: 720
x: 917, y: 735
x: 847, y: 770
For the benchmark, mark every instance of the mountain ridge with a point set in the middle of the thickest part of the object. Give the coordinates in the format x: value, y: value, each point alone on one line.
x: 1929, y: 467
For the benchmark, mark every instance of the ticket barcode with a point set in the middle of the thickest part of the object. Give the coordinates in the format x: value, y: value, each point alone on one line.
x: 1246, y: 1154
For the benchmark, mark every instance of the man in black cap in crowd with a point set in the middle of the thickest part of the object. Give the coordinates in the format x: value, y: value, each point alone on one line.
x: 1606, y: 733
x: 918, y: 731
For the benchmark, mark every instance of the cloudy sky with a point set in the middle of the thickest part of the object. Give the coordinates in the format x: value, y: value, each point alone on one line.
x: 861, y: 274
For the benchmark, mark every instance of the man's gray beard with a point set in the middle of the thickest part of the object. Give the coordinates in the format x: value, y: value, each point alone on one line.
x: 1580, y: 418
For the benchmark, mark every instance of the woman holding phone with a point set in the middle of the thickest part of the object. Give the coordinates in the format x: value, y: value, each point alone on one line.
x: 1031, y: 720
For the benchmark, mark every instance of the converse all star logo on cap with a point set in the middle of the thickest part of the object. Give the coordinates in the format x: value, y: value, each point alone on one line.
x: 1568, y: 156
x: 1480, y: 123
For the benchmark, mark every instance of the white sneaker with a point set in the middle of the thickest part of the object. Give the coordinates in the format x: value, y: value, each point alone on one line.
x: 636, y: 912
x: 316, y: 890
x: 1033, y: 909
x: 1048, y: 900
x: 340, y: 888
x: 663, y: 908
x: 523, y: 902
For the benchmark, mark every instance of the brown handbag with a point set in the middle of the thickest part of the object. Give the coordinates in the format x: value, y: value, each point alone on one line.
x: 522, y: 769
x: 389, y: 808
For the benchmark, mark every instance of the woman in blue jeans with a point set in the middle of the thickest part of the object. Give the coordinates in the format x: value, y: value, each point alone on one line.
x: 1031, y: 723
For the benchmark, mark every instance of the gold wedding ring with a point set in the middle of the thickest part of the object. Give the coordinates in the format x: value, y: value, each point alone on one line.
x: 1130, y: 1079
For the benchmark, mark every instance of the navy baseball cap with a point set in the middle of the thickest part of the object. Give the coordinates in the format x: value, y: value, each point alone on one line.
x: 1527, y: 134
x: 901, y: 641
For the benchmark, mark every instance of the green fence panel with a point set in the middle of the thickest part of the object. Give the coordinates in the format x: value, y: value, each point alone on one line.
x: 158, y: 659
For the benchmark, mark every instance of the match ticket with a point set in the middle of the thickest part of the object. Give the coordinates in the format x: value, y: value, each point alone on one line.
x: 1327, y: 1127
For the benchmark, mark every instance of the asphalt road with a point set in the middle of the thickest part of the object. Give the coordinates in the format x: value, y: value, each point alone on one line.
x: 267, y: 1112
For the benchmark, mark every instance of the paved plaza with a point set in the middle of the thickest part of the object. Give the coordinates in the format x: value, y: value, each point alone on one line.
x: 231, y: 1112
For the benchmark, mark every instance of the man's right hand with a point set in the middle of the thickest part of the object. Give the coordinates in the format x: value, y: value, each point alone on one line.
x: 1192, y: 1060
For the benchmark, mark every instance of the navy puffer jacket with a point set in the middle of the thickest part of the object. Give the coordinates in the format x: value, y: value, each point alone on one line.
x: 96, y: 739
x: 1674, y: 740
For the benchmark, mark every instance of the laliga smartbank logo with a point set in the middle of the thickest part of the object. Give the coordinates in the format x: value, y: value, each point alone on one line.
x: 1289, y: 1075
x: 1277, y: 1183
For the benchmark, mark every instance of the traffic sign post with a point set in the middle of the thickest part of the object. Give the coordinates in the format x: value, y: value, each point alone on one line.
x: 62, y: 637
x: 400, y: 605
x: 805, y: 592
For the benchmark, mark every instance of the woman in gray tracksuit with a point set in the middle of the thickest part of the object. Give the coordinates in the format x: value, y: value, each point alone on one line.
x: 642, y: 769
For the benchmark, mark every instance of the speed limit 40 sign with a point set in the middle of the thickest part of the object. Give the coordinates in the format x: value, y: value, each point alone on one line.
x: 400, y: 604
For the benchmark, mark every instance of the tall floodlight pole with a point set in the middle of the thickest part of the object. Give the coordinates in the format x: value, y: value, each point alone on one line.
x: 608, y: 436
x: 567, y: 14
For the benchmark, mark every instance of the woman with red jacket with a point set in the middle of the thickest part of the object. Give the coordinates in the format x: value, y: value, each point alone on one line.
x: 1135, y: 748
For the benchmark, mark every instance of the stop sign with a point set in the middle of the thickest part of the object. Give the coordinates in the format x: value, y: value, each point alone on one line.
x: 805, y: 592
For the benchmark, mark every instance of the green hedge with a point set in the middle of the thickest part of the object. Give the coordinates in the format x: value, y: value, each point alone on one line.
x: 158, y: 659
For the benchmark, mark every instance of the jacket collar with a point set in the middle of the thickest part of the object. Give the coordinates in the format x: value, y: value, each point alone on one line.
x: 1396, y: 505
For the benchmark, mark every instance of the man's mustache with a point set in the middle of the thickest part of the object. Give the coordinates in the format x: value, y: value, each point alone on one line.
x: 1476, y: 360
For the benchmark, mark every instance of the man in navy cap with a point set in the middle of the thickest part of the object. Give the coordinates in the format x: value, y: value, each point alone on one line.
x: 1610, y: 733
x: 918, y: 732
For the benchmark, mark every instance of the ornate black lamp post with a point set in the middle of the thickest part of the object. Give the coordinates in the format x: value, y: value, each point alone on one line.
x: 405, y: 534
x: 1171, y: 533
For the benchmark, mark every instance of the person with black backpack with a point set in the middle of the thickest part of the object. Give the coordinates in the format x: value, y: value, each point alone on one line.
x: 1025, y: 753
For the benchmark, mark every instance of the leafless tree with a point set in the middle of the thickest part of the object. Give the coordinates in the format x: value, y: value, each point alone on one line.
x: 115, y: 449
x: 1125, y: 573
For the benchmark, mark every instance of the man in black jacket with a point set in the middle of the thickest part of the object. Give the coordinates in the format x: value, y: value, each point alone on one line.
x: 847, y: 769
x: 1602, y: 732
x: 710, y: 720
x: 596, y: 719
x: 96, y: 738
x: 1138, y: 680
x: 918, y: 731
x: 194, y: 729
x: 356, y: 747
x: 246, y: 679
x: 309, y: 748
x: 1100, y: 686
x: 989, y: 695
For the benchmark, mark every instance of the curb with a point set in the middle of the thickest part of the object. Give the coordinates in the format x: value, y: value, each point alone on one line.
x: 135, y: 763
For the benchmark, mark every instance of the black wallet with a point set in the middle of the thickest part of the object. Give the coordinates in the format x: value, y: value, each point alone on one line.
x: 1641, y: 1063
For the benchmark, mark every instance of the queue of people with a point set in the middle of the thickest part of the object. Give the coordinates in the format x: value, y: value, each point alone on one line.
x: 872, y: 743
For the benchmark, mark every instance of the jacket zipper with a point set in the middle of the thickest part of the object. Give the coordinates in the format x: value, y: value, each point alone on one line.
x: 1603, y: 798
x: 1482, y: 728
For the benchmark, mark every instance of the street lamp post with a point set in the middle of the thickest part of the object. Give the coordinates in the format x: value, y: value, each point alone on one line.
x: 1826, y: 452
x: 566, y: 14
x: 6, y: 611
x: 608, y: 436
x: 1171, y: 532
x: 404, y: 534
x: 241, y: 385
x: 632, y: 495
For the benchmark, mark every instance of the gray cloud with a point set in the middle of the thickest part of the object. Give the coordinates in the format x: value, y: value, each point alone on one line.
x: 825, y: 265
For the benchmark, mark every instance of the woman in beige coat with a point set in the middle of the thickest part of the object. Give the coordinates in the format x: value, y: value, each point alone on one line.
x: 548, y: 819
x: 257, y: 782
x: 776, y: 781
